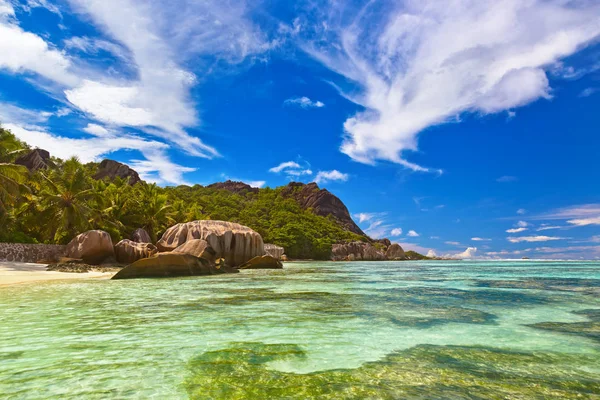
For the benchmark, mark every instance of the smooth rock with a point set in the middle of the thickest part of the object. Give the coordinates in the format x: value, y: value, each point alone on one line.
x: 274, y: 250
x: 93, y: 247
x: 165, y: 265
x: 262, y: 262
x: 128, y: 251
x: 141, y: 236
x: 233, y: 242
x: 395, y: 252
x: 198, y: 248
x: 356, y: 251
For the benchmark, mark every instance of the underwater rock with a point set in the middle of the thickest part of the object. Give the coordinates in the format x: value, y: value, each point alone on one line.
x: 164, y: 265
x: 262, y: 262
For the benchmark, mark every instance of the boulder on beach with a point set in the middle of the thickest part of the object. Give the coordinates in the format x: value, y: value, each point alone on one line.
x: 274, y: 250
x: 233, y: 242
x: 92, y: 247
x: 198, y: 248
x: 356, y: 251
x: 128, y: 251
x: 164, y: 265
x: 395, y: 252
x: 262, y: 262
x: 141, y: 236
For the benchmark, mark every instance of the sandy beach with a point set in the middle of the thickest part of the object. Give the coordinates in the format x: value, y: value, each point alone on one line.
x: 12, y: 273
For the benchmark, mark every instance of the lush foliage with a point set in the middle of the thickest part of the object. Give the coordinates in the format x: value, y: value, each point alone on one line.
x: 54, y: 205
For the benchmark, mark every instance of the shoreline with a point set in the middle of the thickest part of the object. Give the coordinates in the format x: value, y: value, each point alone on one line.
x: 15, y: 273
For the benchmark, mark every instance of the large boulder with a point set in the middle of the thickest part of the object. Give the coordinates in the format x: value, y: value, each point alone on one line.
x: 198, y: 248
x: 111, y: 169
x: 356, y: 251
x: 395, y: 252
x: 128, y: 251
x: 274, y: 250
x: 233, y: 242
x: 262, y: 262
x: 164, y: 265
x: 93, y: 247
x: 141, y: 236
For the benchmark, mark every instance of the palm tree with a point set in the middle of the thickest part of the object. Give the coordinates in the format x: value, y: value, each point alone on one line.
x: 156, y: 212
x: 66, y: 200
x: 12, y: 177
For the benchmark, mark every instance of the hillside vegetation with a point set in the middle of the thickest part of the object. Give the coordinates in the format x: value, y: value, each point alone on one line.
x: 54, y: 204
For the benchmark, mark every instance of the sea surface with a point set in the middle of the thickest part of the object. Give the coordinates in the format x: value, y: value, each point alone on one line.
x: 378, y: 330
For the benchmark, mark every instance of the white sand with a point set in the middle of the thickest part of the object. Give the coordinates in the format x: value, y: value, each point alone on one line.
x: 15, y: 272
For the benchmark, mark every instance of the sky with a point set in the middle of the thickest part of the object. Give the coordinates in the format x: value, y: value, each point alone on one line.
x: 459, y: 128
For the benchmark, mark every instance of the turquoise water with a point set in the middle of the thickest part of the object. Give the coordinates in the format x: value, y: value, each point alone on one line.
x: 312, y: 330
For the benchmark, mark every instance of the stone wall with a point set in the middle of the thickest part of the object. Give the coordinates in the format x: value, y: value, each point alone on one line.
x: 43, y: 253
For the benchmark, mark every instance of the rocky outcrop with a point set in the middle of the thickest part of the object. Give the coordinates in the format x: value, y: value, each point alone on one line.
x: 34, y: 160
x: 356, y: 251
x: 198, y: 248
x: 395, y: 252
x: 274, y: 251
x: 141, y: 236
x: 262, y: 262
x: 93, y: 247
x: 111, y: 169
x: 127, y: 251
x: 233, y: 242
x: 235, y: 187
x: 165, y: 265
x: 322, y: 203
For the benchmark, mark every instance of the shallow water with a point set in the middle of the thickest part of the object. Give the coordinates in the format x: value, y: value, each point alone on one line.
x: 458, y: 330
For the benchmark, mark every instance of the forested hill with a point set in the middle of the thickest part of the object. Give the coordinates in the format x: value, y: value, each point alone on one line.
x: 48, y: 200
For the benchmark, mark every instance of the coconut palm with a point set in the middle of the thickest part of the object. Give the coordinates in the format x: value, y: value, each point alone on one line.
x: 12, y: 177
x: 156, y: 212
x: 66, y: 201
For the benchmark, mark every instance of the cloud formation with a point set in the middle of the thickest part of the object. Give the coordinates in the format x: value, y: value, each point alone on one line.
x: 418, y: 64
x: 329, y: 176
x: 304, y: 102
x: 412, y: 233
x: 292, y: 169
x: 533, y: 239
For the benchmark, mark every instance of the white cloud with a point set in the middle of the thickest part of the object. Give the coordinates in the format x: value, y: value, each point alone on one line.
x: 580, y: 211
x: 412, y: 233
x: 522, y: 224
x: 532, y: 239
x: 587, y: 92
x: 478, y: 239
x: 548, y: 227
x: 97, y: 130
x: 363, y: 217
x: 157, y: 167
x: 431, y: 254
x: 470, y: 252
x: 418, y: 64
x: 292, y: 169
x: 521, y: 211
x: 303, y: 102
x: 585, y: 221
x: 377, y: 229
x: 396, y: 232
x: 94, y: 46
x: 451, y: 243
x: 507, y: 179
x: 516, y: 230
x: 328, y: 176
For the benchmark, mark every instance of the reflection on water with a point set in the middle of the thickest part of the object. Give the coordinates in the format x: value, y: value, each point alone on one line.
x: 521, y: 330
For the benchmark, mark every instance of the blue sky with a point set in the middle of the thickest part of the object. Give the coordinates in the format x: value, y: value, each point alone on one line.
x: 467, y: 128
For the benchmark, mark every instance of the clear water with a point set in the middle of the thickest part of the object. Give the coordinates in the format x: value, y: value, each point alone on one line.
x: 313, y: 330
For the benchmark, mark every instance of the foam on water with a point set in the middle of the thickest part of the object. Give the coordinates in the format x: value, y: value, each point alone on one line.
x: 135, y: 339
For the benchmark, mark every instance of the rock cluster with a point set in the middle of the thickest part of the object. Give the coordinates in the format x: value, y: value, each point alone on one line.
x: 93, y: 247
x: 128, y: 251
x: 111, y: 169
x: 141, y: 236
x: 198, y: 248
x: 362, y: 251
x: 233, y: 242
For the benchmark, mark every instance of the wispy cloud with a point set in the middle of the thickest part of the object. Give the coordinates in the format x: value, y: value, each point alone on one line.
x: 478, y: 239
x: 587, y: 92
x: 411, y: 72
x: 585, y: 221
x: 412, y: 233
x: 521, y: 211
x: 533, y: 239
x: 304, y: 102
x: 292, y: 169
x: 329, y: 176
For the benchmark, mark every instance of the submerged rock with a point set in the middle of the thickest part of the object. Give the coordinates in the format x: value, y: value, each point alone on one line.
x: 233, y: 242
x: 128, y: 251
x: 165, y: 265
x: 141, y: 236
x: 356, y: 251
x: 198, y: 248
x: 395, y: 252
x: 92, y: 247
x: 262, y: 262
